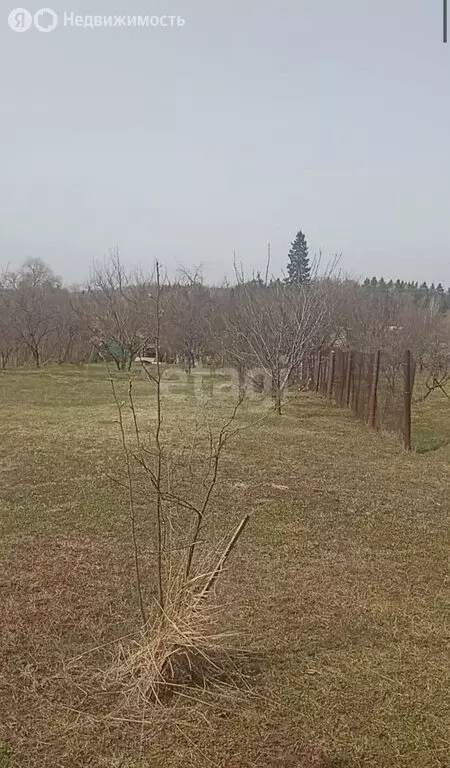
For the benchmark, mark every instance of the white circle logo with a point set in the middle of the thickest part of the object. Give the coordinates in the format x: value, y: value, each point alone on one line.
x: 20, y: 20
x: 45, y: 20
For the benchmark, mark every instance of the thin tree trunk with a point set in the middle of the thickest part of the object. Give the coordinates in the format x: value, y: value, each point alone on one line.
x: 276, y: 390
x: 241, y: 377
x: 63, y: 359
x: 278, y: 400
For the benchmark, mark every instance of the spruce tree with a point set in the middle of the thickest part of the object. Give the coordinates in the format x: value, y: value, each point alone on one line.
x: 441, y: 297
x: 299, y: 270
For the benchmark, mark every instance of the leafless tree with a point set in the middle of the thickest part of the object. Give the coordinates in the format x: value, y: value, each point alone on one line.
x: 187, y: 328
x: 68, y: 335
x: 8, y: 338
x: 31, y: 306
x: 117, y: 309
x: 368, y: 321
x: 275, y: 326
x: 180, y: 484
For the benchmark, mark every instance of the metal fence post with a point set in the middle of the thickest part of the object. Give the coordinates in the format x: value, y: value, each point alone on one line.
x: 407, y: 399
x: 348, y: 378
x: 318, y: 366
x: 373, y: 389
x: 331, y: 366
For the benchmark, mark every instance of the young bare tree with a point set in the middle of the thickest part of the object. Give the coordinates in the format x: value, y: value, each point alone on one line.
x: 180, y: 483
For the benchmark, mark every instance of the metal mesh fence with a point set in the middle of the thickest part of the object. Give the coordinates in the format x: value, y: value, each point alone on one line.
x: 376, y: 387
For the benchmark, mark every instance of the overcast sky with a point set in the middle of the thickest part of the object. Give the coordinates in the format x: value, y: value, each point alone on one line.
x: 253, y: 120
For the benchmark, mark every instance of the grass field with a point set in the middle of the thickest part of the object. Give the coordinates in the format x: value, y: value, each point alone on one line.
x: 339, y: 586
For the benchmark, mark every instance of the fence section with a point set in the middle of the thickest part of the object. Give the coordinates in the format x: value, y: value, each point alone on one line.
x: 377, y: 388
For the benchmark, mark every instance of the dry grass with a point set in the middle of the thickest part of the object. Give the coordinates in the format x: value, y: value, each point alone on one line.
x: 431, y: 422
x: 339, y: 588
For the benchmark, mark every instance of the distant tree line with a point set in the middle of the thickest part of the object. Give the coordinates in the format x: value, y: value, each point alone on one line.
x: 419, y: 293
x: 258, y: 322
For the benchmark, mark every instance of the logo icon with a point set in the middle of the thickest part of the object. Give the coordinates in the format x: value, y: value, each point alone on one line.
x: 45, y: 20
x: 20, y: 20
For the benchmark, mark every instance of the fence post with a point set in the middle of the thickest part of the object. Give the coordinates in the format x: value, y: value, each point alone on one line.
x: 413, y: 374
x: 325, y: 367
x: 348, y: 378
x: 358, y: 408
x: 340, y: 370
x: 373, y: 389
x: 318, y: 364
x: 331, y: 366
x: 407, y: 398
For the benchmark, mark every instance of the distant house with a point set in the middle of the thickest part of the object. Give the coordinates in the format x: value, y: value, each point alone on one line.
x: 148, y: 355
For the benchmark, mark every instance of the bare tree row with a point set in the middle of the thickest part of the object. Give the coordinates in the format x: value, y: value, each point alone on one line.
x: 252, y: 324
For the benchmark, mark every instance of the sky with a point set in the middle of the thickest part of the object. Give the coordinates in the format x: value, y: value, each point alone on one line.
x: 254, y: 119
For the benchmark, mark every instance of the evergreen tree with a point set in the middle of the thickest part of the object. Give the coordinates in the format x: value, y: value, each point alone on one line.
x: 441, y: 297
x: 117, y: 352
x: 299, y: 270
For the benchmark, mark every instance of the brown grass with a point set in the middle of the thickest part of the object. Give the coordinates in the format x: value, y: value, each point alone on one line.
x: 339, y: 589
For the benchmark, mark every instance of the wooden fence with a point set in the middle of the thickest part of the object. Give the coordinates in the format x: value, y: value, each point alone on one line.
x: 375, y: 387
